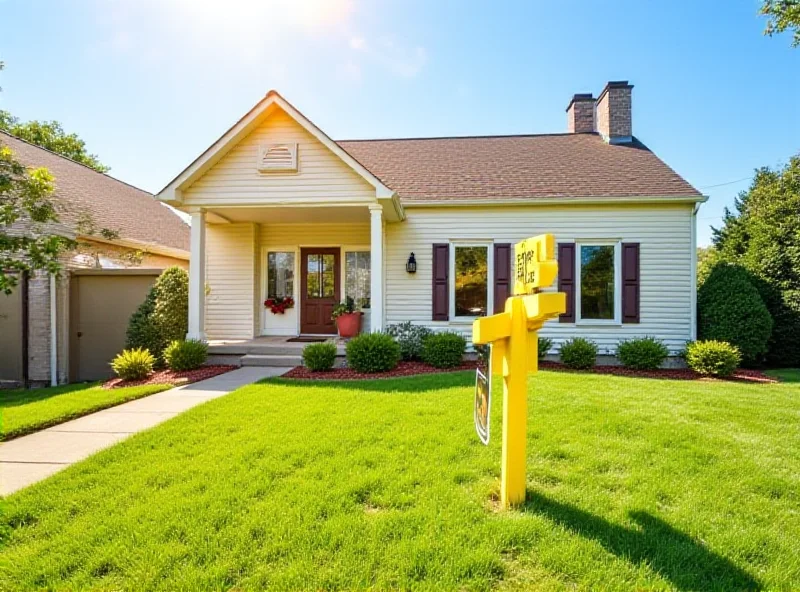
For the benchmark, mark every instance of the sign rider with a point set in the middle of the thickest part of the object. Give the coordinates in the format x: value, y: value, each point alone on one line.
x: 513, y: 335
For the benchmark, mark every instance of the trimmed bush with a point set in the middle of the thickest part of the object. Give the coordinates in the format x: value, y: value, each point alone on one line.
x: 579, y: 353
x: 642, y: 353
x: 319, y: 357
x: 372, y: 352
x: 143, y: 332
x: 444, y: 350
x: 545, y: 345
x: 171, y: 311
x: 163, y: 317
x: 182, y: 355
x: 410, y: 338
x: 133, y: 364
x: 713, y: 358
x: 730, y: 309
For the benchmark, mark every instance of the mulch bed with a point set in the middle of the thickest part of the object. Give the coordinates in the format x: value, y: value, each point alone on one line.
x: 173, y: 378
x: 416, y: 368
x: 403, y: 369
x: 740, y: 375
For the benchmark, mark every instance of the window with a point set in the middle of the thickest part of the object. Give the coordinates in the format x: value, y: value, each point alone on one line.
x: 321, y: 276
x: 598, y: 280
x: 471, y: 280
x: 357, y: 277
x: 280, y: 274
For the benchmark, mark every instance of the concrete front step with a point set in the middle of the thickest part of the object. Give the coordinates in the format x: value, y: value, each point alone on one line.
x: 271, y: 360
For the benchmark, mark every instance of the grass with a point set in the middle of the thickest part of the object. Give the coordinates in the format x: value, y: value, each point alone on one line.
x: 25, y: 411
x: 633, y: 484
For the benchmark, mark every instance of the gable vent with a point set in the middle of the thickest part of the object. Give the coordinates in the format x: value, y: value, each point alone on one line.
x: 277, y: 158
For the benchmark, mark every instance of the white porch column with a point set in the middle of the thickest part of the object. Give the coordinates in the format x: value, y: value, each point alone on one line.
x: 376, y: 267
x: 197, y: 277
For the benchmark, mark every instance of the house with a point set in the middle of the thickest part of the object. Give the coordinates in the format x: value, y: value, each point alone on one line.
x: 65, y: 328
x: 280, y: 209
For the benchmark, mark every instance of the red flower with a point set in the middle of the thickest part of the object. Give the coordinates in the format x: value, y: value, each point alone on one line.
x: 279, y: 305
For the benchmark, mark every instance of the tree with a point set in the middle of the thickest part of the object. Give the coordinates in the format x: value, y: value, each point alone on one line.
x: 50, y: 135
x: 782, y: 15
x: 26, y: 209
x: 763, y: 235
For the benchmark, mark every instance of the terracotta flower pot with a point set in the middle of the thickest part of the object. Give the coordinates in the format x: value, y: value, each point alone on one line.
x: 349, y: 324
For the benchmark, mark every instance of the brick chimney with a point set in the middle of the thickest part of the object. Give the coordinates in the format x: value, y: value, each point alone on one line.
x: 580, y: 114
x: 614, y: 113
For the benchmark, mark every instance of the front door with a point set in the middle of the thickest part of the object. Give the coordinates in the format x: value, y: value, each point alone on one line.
x: 319, y: 289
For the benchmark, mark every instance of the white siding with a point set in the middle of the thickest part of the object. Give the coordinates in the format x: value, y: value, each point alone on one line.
x: 664, y: 232
x: 322, y: 177
x: 232, y: 278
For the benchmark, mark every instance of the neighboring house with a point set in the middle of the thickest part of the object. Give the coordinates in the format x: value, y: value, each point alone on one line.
x: 280, y: 209
x: 66, y: 328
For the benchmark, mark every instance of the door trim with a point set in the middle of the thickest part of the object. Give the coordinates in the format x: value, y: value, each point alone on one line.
x: 304, y: 252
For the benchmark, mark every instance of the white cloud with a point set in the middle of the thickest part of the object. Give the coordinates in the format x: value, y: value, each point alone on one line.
x: 388, y: 53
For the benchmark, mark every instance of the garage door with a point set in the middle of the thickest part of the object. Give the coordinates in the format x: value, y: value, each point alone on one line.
x: 11, y: 342
x: 100, y: 307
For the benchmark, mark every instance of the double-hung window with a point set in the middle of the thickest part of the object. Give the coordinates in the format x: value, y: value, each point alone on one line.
x: 357, y: 277
x: 598, y: 280
x: 471, y: 269
x: 280, y: 274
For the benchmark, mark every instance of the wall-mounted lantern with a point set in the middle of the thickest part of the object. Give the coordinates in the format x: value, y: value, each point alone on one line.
x: 411, y: 264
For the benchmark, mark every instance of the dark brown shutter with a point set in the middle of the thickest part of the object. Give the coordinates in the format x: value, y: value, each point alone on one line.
x: 630, y: 282
x: 441, y: 287
x: 566, y: 279
x: 502, y: 275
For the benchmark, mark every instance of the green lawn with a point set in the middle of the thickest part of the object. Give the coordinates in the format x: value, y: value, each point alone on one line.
x: 26, y: 411
x: 633, y: 484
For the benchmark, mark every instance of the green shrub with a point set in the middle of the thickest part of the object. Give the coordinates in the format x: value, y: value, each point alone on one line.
x: 410, y: 338
x: 545, y: 345
x: 579, y: 353
x: 143, y: 332
x: 730, y: 309
x: 171, y: 312
x: 642, y: 353
x: 372, y: 352
x: 444, y: 350
x: 133, y: 364
x: 715, y: 358
x: 182, y: 355
x: 163, y: 317
x: 319, y: 357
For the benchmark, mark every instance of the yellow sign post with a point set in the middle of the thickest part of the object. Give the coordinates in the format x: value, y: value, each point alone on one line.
x: 514, y: 338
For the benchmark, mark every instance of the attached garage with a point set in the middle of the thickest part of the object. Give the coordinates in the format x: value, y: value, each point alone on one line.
x: 12, y: 335
x: 101, y: 303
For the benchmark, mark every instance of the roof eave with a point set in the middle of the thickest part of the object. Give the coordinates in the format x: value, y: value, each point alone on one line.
x: 534, y: 201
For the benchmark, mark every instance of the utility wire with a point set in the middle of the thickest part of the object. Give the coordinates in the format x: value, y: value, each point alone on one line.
x: 728, y: 183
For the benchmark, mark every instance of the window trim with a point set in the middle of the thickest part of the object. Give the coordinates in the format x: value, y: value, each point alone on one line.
x: 269, y: 250
x: 617, y: 244
x: 489, y: 245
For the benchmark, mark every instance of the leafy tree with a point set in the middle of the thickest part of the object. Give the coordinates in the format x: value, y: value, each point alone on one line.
x: 50, y: 135
x: 782, y: 15
x: 26, y: 209
x: 163, y: 316
x: 763, y: 235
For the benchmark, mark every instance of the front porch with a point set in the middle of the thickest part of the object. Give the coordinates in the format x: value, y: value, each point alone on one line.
x: 317, y: 256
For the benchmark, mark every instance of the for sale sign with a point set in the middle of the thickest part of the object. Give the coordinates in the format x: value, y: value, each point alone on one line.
x: 534, y: 264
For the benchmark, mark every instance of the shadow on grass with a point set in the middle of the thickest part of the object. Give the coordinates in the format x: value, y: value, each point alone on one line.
x: 785, y: 374
x: 684, y: 561
x: 406, y: 384
x: 17, y: 397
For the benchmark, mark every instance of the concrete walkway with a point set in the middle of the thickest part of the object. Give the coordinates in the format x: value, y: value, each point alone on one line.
x: 29, y: 459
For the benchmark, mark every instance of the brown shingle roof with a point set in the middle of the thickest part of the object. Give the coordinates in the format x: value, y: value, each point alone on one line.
x: 517, y: 167
x: 112, y: 204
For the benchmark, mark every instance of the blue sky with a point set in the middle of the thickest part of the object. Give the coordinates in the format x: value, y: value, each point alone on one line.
x: 149, y: 84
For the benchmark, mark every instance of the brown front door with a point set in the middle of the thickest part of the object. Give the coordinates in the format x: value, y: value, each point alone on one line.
x: 319, y: 289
